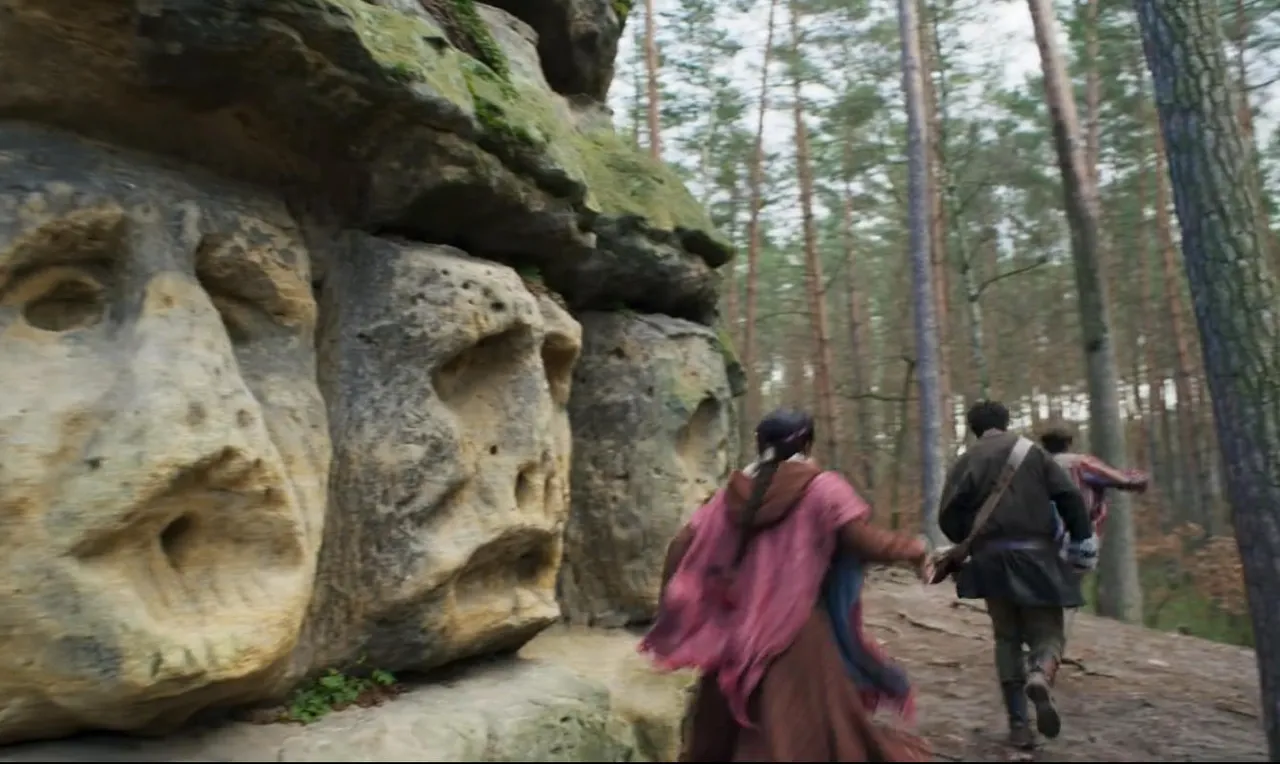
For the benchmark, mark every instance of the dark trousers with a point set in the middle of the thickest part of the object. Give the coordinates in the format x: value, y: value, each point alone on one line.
x: 1041, y: 629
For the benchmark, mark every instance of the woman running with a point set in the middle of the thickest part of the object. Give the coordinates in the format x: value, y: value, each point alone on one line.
x: 762, y: 593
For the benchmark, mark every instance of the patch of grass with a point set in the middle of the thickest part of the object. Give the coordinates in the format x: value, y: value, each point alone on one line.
x: 481, y: 39
x: 335, y: 690
x: 1177, y: 606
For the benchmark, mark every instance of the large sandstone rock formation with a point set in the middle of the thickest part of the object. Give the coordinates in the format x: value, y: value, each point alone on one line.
x: 292, y: 295
x: 650, y: 417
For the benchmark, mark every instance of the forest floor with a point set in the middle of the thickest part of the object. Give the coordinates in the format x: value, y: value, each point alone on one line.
x: 1126, y: 694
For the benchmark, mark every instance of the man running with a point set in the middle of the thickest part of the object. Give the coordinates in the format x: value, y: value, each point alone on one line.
x: 1092, y: 476
x: 1014, y: 563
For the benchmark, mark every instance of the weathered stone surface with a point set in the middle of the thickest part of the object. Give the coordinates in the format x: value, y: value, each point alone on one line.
x: 163, y: 448
x: 578, y: 40
x: 447, y: 381
x: 514, y: 710
x: 653, y: 703
x: 174, y: 392
x: 368, y: 111
x: 651, y: 424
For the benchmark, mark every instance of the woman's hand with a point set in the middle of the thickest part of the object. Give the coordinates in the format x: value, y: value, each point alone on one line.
x: 923, y: 564
x: 926, y: 570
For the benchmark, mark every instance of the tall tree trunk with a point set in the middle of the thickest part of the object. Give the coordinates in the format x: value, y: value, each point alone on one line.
x: 816, y: 284
x: 1144, y: 354
x: 864, y: 438
x: 1092, y: 91
x: 900, y: 448
x: 1190, y: 444
x: 651, y: 73
x: 731, y: 268
x: 1244, y: 108
x: 929, y: 66
x: 931, y: 450
x: 1234, y: 292
x: 1119, y: 587
x: 751, y: 405
x: 637, y: 85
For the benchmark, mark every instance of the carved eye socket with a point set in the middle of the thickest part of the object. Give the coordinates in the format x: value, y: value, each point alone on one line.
x: 62, y: 300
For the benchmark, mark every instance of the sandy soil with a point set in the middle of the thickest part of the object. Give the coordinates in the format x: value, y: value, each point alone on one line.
x: 1132, y: 695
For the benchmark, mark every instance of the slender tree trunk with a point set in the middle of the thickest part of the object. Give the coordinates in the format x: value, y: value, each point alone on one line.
x: 1092, y: 91
x: 751, y: 405
x: 931, y: 451
x: 945, y: 193
x: 651, y: 72
x: 1234, y: 291
x: 900, y: 448
x: 637, y: 85
x: 929, y: 66
x: 1119, y: 590
x: 1143, y: 354
x: 1189, y: 446
x: 822, y: 360
x: 731, y: 268
x: 1244, y: 108
x: 857, y: 341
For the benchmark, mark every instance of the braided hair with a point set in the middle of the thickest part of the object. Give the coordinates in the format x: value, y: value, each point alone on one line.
x: 781, y: 435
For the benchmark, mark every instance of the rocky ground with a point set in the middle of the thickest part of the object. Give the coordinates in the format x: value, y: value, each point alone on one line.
x: 577, y: 694
x: 1132, y: 694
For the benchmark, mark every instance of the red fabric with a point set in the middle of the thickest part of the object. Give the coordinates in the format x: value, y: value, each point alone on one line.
x: 735, y: 623
x: 1093, y: 477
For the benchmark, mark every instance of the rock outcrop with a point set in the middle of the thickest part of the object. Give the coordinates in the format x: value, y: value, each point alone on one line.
x: 311, y: 314
x: 650, y: 420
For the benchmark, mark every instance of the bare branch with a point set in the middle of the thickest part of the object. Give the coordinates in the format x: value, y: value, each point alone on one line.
x: 1042, y: 260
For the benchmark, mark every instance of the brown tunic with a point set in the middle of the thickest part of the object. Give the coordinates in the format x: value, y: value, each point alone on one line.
x: 806, y: 707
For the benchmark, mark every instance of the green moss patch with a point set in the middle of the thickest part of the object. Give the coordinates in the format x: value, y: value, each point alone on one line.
x: 408, y: 48
x: 520, y: 121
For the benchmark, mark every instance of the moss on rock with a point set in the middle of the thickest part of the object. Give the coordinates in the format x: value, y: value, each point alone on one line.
x: 520, y: 118
x: 620, y: 178
x: 407, y: 47
x: 481, y: 39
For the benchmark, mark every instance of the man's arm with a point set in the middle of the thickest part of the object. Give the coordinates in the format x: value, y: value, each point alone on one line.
x: 956, y: 513
x: 1067, y: 498
x: 1099, y: 474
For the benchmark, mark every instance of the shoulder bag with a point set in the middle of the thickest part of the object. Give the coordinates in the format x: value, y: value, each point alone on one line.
x: 948, y: 561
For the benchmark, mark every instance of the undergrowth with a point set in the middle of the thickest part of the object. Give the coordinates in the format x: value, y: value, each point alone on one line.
x: 335, y: 690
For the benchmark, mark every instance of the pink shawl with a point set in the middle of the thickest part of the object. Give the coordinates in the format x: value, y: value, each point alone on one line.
x: 736, y: 624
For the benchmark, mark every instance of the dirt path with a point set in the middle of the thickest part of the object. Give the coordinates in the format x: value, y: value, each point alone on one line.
x: 1138, y: 695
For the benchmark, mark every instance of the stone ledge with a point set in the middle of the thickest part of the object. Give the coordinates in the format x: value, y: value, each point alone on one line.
x: 571, y: 695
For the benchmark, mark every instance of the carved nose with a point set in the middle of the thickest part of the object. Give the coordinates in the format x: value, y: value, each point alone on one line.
x: 184, y: 423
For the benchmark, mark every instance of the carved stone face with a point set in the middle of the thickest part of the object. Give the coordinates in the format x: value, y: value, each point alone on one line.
x: 163, y: 445
x: 447, y: 381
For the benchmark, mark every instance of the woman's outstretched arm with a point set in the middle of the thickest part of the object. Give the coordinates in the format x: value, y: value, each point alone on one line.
x: 874, y: 544
x: 851, y: 517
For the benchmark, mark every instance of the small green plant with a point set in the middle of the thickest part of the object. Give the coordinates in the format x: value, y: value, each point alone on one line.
x: 529, y: 274
x: 333, y: 691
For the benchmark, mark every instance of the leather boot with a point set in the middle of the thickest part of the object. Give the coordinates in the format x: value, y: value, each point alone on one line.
x: 1015, y: 704
x: 1039, y: 689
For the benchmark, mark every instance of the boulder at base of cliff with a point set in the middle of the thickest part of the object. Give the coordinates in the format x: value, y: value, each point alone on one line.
x: 650, y: 412
x: 570, y: 696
